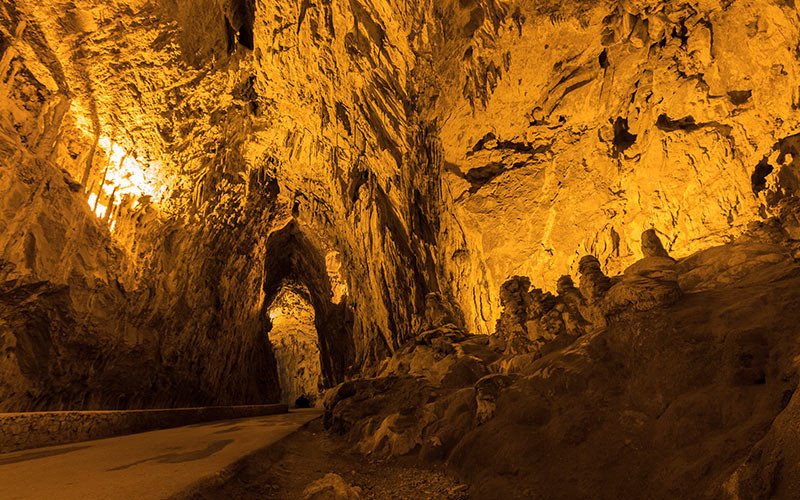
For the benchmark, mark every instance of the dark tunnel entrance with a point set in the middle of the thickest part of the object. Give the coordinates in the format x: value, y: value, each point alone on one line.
x: 310, y: 322
x: 295, y: 345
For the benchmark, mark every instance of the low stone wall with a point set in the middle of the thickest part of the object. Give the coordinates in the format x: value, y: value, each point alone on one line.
x: 19, y: 431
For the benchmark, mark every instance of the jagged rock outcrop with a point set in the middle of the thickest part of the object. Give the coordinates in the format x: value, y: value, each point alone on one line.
x: 222, y: 172
x: 685, y: 395
x: 573, y: 126
x: 331, y: 487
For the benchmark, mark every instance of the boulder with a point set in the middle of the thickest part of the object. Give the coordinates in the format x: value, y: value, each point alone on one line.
x: 487, y: 390
x: 648, y: 283
x: 593, y: 283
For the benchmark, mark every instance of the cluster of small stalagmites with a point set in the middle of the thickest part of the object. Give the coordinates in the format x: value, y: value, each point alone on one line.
x: 532, y: 318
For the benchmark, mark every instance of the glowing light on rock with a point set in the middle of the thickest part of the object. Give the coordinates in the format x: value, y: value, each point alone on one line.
x: 333, y: 264
x: 100, y: 211
x: 126, y: 176
x: 275, y: 313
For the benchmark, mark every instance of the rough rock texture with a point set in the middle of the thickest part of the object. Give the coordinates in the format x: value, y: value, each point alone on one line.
x: 331, y: 487
x: 436, y: 176
x: 245, y: 176
x: 570, y: 127
x: 167, y: 167
x: 682, y: 394
x: 295, y: 344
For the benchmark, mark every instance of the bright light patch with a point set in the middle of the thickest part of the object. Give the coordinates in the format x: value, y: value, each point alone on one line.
x: 127, y: 176
x: 100, y: 211
x: 275, y: 313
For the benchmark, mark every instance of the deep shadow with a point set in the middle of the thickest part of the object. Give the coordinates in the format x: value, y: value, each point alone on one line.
x: 33, y: 455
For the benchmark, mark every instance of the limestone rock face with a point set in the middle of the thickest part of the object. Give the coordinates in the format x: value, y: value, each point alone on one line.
x: 651, y: 245
x: 206, y: 136
x: 295, y: 344
x: 168, y: 165
x: 615, y: 411
x: 570, y: 127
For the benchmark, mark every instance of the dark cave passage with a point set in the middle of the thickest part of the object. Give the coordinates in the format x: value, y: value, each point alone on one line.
x: 295, y: 344
x: 293, y: 258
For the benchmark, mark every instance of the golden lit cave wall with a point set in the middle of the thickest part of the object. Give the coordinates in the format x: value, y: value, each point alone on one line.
x: 568, y: 128
x: 159, y: 273
x: 140, y: 318
x: 359, y: 147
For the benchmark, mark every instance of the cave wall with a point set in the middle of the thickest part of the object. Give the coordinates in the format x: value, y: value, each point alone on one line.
x: 568, y: 128
x: 85, y: 324
x: 433, y: 146
x: 151, y: 314
x: 168, y: 308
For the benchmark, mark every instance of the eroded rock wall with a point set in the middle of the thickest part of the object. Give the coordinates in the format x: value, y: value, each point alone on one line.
x: 568, y: 128
x: 257, y: 171
x: 148, y: 315
x: 431, y: 147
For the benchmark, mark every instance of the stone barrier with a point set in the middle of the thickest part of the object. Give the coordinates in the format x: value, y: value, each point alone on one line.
x: 20, y: 431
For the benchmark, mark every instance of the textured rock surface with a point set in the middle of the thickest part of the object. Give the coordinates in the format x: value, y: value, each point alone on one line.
x: 427, y: 172
x: 430, y: 147
x: 574, y: 126
x: 331, y: 487
x: 676, y: 395
x: 295, y: 343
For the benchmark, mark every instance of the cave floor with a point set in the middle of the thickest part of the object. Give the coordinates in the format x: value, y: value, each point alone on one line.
x: 150, y: 465
x: 283, y: 471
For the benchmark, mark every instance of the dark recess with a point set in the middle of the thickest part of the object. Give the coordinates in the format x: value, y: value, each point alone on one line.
x: 739, y: 97
x: 623, y: 139
x: 603, y: 59
x: 759, y: 178
x: 291, y: 257
x: 241, y: 16
x: 479, y: 176
x: 667, y: 124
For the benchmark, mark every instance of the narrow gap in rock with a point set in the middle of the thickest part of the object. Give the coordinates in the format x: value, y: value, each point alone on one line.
x: 739, y: 97
x: 758, y: 179
x: 603, y: 59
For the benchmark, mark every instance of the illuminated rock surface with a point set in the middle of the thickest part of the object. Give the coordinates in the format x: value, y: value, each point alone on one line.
x: 167, y: 167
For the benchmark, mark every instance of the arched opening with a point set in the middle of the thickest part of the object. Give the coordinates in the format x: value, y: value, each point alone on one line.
x: 295, y: 344
x: 294, y: 262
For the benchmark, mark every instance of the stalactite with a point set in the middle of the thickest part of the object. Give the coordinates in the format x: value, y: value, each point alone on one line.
x: 110, y: 205
x: 87, y: 170
x: 103, y: 180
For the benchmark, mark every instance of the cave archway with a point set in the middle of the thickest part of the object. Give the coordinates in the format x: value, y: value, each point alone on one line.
x: 295, y: 345
x: 291, y: 257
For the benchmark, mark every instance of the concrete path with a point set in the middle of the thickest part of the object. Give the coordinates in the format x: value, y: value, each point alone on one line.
x: 150, y: 465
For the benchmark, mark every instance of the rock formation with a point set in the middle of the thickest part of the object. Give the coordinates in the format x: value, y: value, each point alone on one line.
x: 431, y: 176
x: 707, y: 372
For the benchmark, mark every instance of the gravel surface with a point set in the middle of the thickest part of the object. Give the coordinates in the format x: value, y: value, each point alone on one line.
x: 284, y: 470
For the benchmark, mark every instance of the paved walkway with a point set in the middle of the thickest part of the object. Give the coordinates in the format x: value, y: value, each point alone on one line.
x: 150, y: 465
